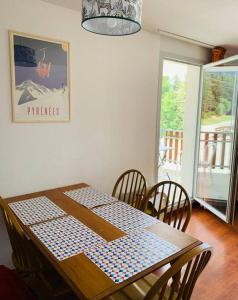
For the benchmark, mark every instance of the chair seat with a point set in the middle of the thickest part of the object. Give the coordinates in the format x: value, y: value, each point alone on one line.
x: 157, y: 201
x: 154, y: 204
x: 138, y: 289
x: 151, y: 211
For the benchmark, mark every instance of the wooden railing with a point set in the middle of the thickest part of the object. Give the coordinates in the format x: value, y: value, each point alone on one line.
x: 174, y: 143
x: 215, y: 147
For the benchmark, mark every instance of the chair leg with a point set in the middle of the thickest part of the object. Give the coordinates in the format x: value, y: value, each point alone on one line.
x: 175, y: 279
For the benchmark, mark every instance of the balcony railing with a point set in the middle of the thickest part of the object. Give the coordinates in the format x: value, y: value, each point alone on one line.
x: 220, y: 144
x: 173, y: 141
x: 214, y: 146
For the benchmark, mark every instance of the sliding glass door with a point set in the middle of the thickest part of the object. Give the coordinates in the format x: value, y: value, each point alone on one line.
x: 217, y: 139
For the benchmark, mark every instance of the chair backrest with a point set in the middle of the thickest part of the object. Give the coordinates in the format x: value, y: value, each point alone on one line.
x: 25, y: 257
x: 131, y: 188
x: 178, y: 282
x: 170, y: 203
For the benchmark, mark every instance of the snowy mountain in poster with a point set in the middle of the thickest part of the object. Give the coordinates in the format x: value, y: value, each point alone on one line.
x: 29, y: 91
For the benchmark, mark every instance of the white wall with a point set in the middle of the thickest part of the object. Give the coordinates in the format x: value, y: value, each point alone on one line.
x: 114, y: 96
x: 176, y: 48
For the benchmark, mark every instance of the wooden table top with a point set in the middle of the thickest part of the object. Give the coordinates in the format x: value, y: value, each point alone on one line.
x: 86, y: 279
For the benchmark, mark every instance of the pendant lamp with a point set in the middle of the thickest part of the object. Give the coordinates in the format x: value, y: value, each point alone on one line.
x: 112, y: 17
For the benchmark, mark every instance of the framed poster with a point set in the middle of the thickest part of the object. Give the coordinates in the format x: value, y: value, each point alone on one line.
x: 40, y: 79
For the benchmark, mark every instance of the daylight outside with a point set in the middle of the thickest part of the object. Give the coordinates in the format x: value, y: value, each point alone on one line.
x: 180, y: 88
x: 178, y: 120
x: 216, y: 136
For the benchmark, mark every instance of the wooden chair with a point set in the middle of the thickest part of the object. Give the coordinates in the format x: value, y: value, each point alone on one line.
x: 131, y: 188
x: 25, y: 256
x: 28, y: 260
x: 177, y: 283
x: 170, y: 203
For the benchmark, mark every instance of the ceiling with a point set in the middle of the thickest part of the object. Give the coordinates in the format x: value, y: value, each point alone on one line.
x: 212, y: 22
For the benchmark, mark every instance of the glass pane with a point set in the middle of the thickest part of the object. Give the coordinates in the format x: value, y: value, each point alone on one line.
x: 178, y: 121
x: 219, y: 99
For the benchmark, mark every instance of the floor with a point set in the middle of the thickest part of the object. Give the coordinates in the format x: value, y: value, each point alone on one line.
x: 213, y: 185
x: 219, y: 281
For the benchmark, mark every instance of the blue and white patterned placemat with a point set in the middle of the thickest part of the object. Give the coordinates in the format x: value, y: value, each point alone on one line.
x: 125, y: 217
x: 90, y: 197
x: 66, y: 236
x: 131, y: 254
x: 36, y: 210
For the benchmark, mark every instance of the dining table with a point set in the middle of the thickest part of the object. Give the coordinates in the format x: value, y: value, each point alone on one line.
x: 83, y: 275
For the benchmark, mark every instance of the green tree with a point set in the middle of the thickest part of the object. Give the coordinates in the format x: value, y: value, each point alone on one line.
x: 172, y: 105
x: 217, y: 94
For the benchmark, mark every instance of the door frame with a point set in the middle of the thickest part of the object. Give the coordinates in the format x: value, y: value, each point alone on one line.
x: 234, y: 176
x: 178, y: 59
x: 233, y: 188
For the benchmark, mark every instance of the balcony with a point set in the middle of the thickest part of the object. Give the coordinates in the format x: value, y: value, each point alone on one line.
x: 214, y: 160
x: 214, y: 148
